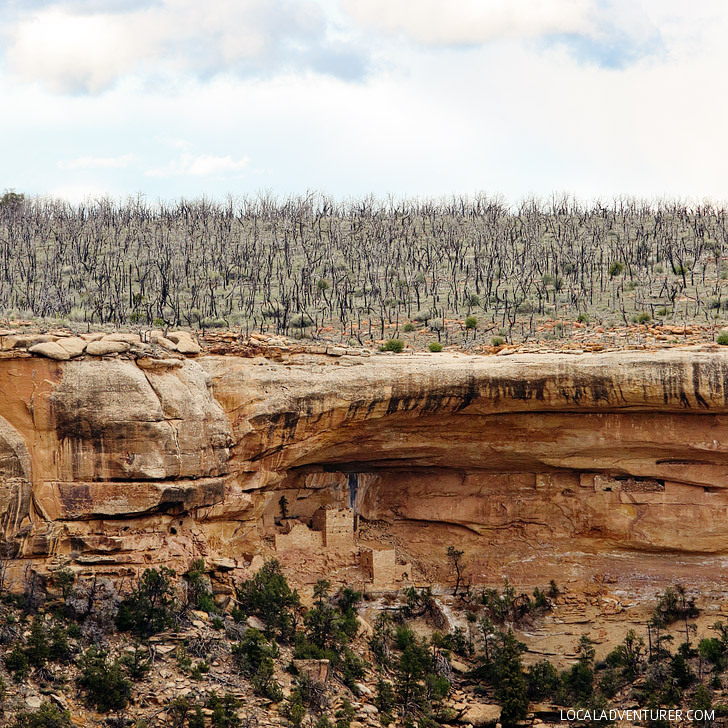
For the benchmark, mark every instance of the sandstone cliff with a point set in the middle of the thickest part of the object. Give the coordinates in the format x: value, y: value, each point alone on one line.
x: 591, y: 466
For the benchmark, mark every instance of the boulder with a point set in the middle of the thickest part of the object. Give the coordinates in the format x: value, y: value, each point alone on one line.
x: 51, y: 350
x: 255, y: 623
x: 185, y: 343
x: 100, y: 348
x: 25, y: 341
x: 459, y: 667
x: 364, y: 626
x: 166, y: 343
x: 481, y: 715
x: 74, y: 345
x: 128, y: 338
x: 223, y: 564
x: 314, y: 669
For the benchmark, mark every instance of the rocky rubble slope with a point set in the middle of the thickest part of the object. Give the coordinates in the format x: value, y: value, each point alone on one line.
x: 579, y: 465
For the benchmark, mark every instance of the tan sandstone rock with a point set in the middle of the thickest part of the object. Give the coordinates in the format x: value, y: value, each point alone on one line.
x: 51, y: 350
x: 25, y: 341
x: 106, y: 346
x: 74, y: 345
x: 481, y: 715
x: 127, y: 338
x: 184, y: 342
x: 538, y: 466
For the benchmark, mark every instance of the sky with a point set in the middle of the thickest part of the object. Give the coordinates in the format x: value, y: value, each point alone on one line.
x: 409, y: 98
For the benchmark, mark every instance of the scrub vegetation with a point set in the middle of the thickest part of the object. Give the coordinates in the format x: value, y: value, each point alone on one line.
x: 460, y: 271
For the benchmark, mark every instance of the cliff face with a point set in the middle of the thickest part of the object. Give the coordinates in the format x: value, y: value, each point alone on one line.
x: 99, y: 457
x: 538, y: 466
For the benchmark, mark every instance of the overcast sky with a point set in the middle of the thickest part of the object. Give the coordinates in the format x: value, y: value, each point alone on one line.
x: 422, y: 98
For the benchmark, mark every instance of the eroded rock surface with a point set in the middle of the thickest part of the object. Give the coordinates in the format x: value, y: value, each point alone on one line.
x: 585, y: 466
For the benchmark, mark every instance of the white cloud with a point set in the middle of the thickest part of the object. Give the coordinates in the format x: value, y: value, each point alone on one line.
x: 71, y: 52
x: 97, y: 162
x: 445, y: 22
x: 513, y: 116
x: 611, y: 33
x: 201, y: 165
x: 72, y: 48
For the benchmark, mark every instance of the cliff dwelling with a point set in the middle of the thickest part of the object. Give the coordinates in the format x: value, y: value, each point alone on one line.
x: 597, y: 464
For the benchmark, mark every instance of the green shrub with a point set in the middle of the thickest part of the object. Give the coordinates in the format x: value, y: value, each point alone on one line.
x: 101, y: 678
x: 385, y: 699
x: 137, y: 662
x: 723, y: 338
x: 681, y: 671
x: 199, y: 670
x: 148, y: 609
x: 543, y: 681
x: 16, y: 663
x: 199, y: 593
x: 197, y: 719
x: 215, y: 323
x: 59, y: 649
x: 435, y: 346
x: 643, y: 317
x: 224, y: 711
x: 63, y: 579
x: 38, y: 649
x: 269, y: 597
x: 11, y: 198
x: 525, y: 307
x: 184, y: 661
x: 47, y: 716
x: 178, y: 712
x: 471, y: 322
x: 497, y: 341
x: 395, y: 345
x: 345, y: 714
x: 583, y: 318
x: 673, y: 605
x: 712, y: 650
x: 615, y: 269
x: 629, y: 656
x: 301, y: 321
x: 254, y: 657
x: 295, y: 711
x: 408, y: 327
x: 701, y: 701
x: 352, y: 669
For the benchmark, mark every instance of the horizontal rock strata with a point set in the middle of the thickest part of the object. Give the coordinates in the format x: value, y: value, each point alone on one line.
x: 568, y: 465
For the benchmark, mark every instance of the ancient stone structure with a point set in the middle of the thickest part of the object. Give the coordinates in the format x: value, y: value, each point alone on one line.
x: 593, y: 466
x: 336, y: 527
x: 300, y: 537
x: 380, y: 565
